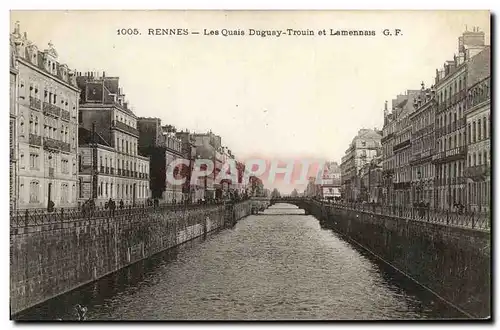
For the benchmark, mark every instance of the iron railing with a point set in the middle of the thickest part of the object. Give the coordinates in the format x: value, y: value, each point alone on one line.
x: 465, y: 219
x: 36, y: 217
x: 473, y: 220
x: 35, y: 103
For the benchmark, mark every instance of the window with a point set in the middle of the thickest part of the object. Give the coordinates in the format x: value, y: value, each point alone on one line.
x: 64, y: 193
x: 34, y: 161
x: 21, y: 161
x: 479, y: 130
x: 34, y: 191
x: 64, y: 166
x: 485, y: 131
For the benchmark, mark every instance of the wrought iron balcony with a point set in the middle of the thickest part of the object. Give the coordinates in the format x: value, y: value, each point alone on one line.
x: 449, y: 155
x: 66, y: 147
x: 402, y: 185
x: 121, y: 126
x: 477, y: 173
x: 51, y: 143
x: 401, y: 145
x: 51, y: 109
x: 35, y: 103
x: 35, y: 140
x: 65, y: 115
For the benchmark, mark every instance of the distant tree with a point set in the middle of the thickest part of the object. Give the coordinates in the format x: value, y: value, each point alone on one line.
x: 275, y: 193
x: 294, y: 193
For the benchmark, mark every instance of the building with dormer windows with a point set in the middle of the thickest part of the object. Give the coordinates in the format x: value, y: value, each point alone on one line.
x: 110, y: 165
x: 422, y: 146
x: 451, y: 136
x: 46, y: 126
x: 364, y: 147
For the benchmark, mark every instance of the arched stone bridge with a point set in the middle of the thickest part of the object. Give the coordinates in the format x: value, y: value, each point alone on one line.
x: 300, y: 202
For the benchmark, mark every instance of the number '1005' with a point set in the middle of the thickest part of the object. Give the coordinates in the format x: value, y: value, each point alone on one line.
x: 130, y: 32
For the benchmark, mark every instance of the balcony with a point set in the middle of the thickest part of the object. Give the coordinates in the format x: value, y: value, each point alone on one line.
x: 51, y: 109
x: 449, y: 155
x: 102, y: 169
x: 121, y: 126
x: 112, y: 171
x: 119, y: 171
x: 65, y: 115
x: 107, y: 170
x: 478, y: 173
x: 35, y: 140
x: 441, y: 107
x: 66, y: 147
x: 51, y: 172
x: 35, y: 104
x: 387, y: 137
x: 401, y: 145
x: 51, y: 143
x: 402, y: 185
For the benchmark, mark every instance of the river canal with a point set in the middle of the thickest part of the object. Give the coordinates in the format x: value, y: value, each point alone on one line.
x: 279, y: 265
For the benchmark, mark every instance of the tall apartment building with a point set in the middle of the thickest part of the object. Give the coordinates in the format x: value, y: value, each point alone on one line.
x: 330, y: 181
x: 363, y: 148
x: 194, y: 192
x: 402, y: 108
x: 161, y: 144
x: 46, y: 126
x: 451, y: 151
x: 422, y: 146
x: 12, y: 125
x: 388, y: 162
x: 208, y: 146
x: 110, y: 165
x: 478, y: 164
x: 371, y: 181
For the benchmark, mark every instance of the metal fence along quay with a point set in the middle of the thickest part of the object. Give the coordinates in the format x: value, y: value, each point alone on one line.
x: 35, y: 217
x: 471, y: 220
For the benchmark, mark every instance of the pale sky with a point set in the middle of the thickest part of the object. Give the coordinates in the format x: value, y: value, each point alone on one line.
x: 273, y: 97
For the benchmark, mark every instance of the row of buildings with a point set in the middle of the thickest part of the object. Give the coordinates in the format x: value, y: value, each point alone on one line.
x: 435, y: 143
x: 74, y: 137
x: 329, y: 185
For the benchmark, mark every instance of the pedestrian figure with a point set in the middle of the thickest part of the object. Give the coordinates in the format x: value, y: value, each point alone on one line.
x: 81, y: 312
x: 121, y: 203
x: 112, y: 206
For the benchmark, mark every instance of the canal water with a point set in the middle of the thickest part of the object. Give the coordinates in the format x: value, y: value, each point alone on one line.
x: 279, y: 265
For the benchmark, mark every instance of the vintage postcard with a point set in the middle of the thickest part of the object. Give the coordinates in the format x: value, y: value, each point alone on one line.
x: 250, y: 165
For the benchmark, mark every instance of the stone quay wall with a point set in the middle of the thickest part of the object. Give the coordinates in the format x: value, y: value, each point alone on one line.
x: 453, y: 262
x: 50, y: 259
